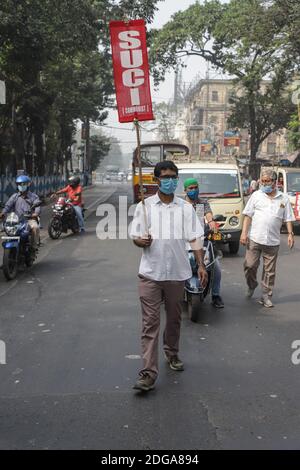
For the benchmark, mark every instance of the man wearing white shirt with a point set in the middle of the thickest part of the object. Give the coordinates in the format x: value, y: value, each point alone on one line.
x: 264, y: 213
x: 162, y: 228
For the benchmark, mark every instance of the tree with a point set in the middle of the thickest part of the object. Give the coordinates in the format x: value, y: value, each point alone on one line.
x: 294, y: 131
x: 165, y: 121
x: 287, y: 16
x: 55, y: 60
x: 243, y: 39
x: 100, y: 146
x: 35, y: 35
x: 262, y: 113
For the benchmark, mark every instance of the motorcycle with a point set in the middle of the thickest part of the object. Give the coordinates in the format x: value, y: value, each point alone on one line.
x: 17, y: 244
x: 194, y: 292
x: 63, y: 218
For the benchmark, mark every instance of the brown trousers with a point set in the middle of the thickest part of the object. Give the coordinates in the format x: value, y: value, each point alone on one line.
x: 152, y: 294
x: 269, y: 254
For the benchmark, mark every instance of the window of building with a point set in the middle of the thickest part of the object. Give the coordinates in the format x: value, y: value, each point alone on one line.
x: 215, y: 96
x: 271, y: 148
x: 197, y: 117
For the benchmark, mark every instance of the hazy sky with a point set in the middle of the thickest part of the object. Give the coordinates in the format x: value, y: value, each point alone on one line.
x: 195, y: 66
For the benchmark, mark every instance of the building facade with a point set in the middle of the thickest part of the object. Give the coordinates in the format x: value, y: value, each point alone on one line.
x: 206, y: 114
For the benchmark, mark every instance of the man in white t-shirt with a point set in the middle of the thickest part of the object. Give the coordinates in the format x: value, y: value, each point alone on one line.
x: 264, y: 213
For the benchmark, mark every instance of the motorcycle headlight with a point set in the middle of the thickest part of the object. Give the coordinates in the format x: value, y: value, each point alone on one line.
x: 11, y: 230
x: 234, y: 221
x: 12, y: 224
x: 12, y: 219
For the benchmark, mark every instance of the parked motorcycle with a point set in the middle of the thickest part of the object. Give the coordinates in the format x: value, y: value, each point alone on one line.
x: 17, y: 244
x: 63, y: 218
x: 194, y: 292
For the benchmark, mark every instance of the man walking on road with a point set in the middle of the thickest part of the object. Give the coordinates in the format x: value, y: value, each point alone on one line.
x: 163, y: 230
x: 264, y: 213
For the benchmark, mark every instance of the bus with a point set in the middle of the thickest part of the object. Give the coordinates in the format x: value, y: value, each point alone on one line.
x: 151, y: 154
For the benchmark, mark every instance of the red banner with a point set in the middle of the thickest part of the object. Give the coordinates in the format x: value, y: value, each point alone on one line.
x: 131, y: 70
x: 232, y: 141
x: 205, y: 147
x: 297, y: 206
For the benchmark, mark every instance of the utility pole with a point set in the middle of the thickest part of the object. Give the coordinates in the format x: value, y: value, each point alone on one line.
x: 207, y: 97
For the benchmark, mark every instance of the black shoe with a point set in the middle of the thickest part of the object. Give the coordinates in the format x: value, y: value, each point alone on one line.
x: 145, y: 383
x: 175, y: 363
x: 217, y: 301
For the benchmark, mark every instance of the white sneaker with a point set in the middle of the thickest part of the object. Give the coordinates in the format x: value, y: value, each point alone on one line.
x: 266, y: 301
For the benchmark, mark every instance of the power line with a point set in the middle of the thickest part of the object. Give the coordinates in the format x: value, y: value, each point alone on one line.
x: 119, y: 128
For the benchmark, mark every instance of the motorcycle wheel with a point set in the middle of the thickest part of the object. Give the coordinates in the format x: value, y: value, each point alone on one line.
x: 29, y: 259
x: 193, y: 307
x: 29, y: 262
x: 75, y: 228
x: 55, y: 229
x: 10, y: 264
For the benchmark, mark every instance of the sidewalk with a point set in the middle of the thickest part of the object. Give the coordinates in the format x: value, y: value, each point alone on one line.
x: 93, y: 196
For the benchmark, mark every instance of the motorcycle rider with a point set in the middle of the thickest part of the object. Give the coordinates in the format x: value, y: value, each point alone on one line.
x: 74, y: 192
x: 203, y: 209
x: 21, y: 203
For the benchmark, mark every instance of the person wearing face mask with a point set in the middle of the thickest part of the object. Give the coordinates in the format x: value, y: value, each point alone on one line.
x: 264, y: 214
x: 162, y: 228
x: 74, y: 192
x: 203, y: 210
x: 21, y: 202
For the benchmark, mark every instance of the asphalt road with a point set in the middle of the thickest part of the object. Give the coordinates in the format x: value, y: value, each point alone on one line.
x: 71, y: 325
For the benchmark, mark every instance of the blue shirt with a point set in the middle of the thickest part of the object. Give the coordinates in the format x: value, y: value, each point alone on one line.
x: 21, y: 204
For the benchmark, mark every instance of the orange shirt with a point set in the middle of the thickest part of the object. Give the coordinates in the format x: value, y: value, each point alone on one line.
x: 71, y: 192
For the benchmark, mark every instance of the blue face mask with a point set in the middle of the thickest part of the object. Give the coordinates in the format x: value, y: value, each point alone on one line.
x: 22, y: 189
x: 266, y: 189
x: 194, y: 194
x: 168, y: 186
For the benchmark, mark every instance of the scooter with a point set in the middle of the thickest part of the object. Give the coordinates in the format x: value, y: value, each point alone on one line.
x: 194, y: 292
x: 63, y: 218
x: 17, y: 244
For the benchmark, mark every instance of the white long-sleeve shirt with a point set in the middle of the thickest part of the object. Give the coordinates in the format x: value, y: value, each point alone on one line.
x: 171, y: 226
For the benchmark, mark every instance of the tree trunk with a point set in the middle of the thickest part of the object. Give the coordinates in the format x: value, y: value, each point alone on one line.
x: 88, y: 146
x: 39, y: 145
x: 254, y: 140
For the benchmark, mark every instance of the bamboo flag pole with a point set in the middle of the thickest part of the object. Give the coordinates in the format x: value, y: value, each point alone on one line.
x: 138, y: 136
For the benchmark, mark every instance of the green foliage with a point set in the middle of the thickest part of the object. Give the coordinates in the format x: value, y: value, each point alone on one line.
x: 100, y: 146
x: 294, y: 131
x: 55, y: 60
x: 247, y: 39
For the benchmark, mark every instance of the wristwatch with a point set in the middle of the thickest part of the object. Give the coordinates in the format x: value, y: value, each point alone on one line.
x: 291, y: 233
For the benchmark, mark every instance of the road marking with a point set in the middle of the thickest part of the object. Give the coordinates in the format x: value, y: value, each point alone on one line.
x: 9, y: 288
x: 103, y: 198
